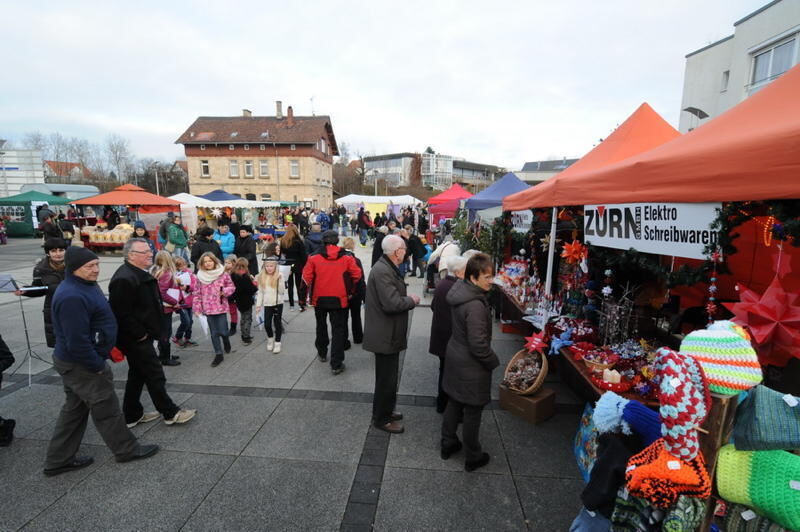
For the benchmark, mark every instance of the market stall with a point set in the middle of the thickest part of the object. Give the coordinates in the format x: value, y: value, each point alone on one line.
x: 19, y: 211
x: 493, y: 195
x: 455, y: 192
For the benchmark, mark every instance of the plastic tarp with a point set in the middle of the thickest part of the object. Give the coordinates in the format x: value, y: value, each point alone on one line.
x: 26, y: 198
x: 127, y: 195
x: 360, y: 199
x: 194, y: 201
x: 220, y: 195
x: 642, y: 131
x: 493, y: 195
x: 455, y: 192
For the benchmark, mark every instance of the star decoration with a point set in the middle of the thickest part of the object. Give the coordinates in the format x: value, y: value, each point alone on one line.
x: 773, y: 319
x: 216, y: 212
x: 574, y: 252
x: 535, y: 342
x: 607, y: 291
x: 546, y: 242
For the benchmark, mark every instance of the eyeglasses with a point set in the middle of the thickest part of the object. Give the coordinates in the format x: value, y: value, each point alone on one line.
x: 142, y: 252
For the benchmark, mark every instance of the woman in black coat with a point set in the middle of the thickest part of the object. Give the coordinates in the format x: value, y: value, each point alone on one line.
x: 469, y: 361
x: 204, y: 244
x: 246, y: 248
x: 295, y: 255
x: 49, y: 272
x: 442, y: 323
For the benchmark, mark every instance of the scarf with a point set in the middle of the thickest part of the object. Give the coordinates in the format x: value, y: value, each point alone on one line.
x: 209, y: 276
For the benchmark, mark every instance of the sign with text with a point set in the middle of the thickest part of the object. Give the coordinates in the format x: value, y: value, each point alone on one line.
x: 676, y: 229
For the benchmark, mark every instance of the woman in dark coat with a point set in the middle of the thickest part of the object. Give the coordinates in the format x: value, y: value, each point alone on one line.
x: 294, y: 253
x: 205, y: 244
x: 49, y: 272
x: 469, y: 362
x: 246, y: 248
x: 442, y: 323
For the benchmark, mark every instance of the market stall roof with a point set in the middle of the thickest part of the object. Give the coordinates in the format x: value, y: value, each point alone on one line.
x: 220, y: 195
x: 751, y: 152
x: 644, y: 130
x: 194, y: 201
x: 447, y: 208
x: 493, y: 196
x: 456, y: 192
x: 355, y: 199
x: 250, y: 204
x: 27, y: 197
x: 126, y: 195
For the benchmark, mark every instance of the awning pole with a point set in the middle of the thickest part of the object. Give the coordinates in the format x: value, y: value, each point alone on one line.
x: 548, y: 284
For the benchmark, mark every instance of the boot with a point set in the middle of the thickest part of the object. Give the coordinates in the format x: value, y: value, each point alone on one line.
x: 226, y: 343
x: 277, y: 348
x: 270, y: 343
x: 233, y: 329
x: 6, y: 432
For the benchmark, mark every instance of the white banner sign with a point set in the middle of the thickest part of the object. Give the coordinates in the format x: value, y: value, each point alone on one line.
x: 676, y: 229
x: 522, y: 220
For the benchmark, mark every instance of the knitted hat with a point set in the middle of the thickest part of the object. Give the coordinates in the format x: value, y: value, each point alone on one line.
x: 735, y: 522
x: 54, y: 243
x: 330, y: 237
x: 615, y: 413
x: 139, y: 224
x: 685, y: 402
x: 687, y: 514
x: 766, y: 481
x: 726, y: 355
x: 76, y: 257
x: 643, y: 420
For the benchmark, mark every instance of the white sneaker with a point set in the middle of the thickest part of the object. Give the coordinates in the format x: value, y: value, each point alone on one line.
x: 277, y: 348
x: 270, y: 343
x: 147, y: 417
x: 181, y: 417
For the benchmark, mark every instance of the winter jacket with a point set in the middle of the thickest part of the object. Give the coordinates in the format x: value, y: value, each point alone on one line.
x: 363, y: 220
x: 167, y: 282
x: 313, y: 243
x: 469, y: 360
x: 331, y: 276
x: 246, y: 248
x: 361, y: 285
x: 415, y: 247
x: 386, y: 318
x: 6, y: 357
x: 176, y: 235
x: 324, y: 221
x: 135, y: 298
x: 442, y: 323
x: 203, y: 245
x: 377, y: 249
x: 84, y: 324
x: 295, y: 254
x: 45, y: 275
x: 207, y: 298
x: 268, y: 296
x: 51, y: 230
x: 447, y: 249
x: 245, y: 289
x: 226, y: 242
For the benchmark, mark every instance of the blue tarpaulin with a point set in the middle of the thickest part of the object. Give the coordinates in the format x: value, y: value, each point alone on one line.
x: 220, y: 195
x: 493, y: 195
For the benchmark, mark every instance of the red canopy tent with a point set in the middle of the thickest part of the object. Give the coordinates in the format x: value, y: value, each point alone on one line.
x: 643, y: 130
x: 127, y: 195
x: 455, y: 192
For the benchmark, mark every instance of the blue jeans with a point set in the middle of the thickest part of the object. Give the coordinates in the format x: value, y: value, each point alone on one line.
x: 363, y: 236
x: 217, y: 328
x: 185, y: 328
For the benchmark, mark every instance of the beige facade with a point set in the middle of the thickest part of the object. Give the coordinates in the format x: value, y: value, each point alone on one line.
x: 285, y: 178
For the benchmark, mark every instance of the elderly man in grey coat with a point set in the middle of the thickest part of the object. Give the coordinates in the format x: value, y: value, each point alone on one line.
x: 386, y: 330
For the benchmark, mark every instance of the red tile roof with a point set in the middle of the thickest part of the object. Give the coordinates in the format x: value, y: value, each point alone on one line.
x: 63, y: 168
x: 259, y: 130
x: 184, y: 165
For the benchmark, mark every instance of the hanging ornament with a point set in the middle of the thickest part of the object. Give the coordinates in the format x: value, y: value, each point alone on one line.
x: 574, y: 252
x: 535, y: 342
x: 216, y: 212
x: 545, y: 243
x: 711, y: 305
x: 781, y: 263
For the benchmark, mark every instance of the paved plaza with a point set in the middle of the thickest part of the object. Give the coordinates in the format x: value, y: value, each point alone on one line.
x: 279, y: 443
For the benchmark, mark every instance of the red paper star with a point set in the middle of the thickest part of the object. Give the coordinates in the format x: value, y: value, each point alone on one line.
x: 573, y: 252
x: 774, y: 320
x: 535, y: 342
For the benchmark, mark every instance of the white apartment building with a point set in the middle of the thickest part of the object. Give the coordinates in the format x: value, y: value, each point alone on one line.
x: 437, y: 170
x: 395, y: 168
x: 764, y: 45
x: 18, y: 168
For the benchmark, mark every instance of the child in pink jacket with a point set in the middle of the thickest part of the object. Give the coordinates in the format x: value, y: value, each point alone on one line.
x: 214, y: 287
x: 164, y: 272
x: 183, y: 336
x: 233, y: 310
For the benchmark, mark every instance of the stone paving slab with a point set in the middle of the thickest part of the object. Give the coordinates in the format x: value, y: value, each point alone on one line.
x: 32, y: 408
x: 547, y: 502
x: 268, y: 370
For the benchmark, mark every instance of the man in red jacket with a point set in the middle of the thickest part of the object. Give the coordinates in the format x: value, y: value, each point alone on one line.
x: 331, y: 276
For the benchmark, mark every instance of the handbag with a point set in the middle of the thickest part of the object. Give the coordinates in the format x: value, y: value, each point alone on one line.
x: 765, y: 422
x: 585, y: 443
x: 170, y: 247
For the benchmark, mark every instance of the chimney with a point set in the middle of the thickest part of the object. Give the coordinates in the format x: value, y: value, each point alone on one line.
x: 247, y: 112
x: 289, y: 116
x: 278, y: 110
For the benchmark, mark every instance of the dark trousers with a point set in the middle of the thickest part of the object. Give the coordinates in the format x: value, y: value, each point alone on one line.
x: 246, y: 323
x: 470, y: 429
x: 274, y: 314
x: 144, y: 369
x: 419, y: 264
x: 166, y: 333
x: 385, y: 396
x: 338, y: 319
x: 87, y: 393
x: 296, y: 281
x: 355, y: 320
x: 185, y: 328
x: 441, y: 398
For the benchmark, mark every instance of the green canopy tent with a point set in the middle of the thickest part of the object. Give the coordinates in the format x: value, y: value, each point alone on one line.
x: 21, y: 209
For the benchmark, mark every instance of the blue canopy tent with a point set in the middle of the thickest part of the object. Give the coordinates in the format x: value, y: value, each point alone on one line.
x: 493, y: 195
x: 220, y: 195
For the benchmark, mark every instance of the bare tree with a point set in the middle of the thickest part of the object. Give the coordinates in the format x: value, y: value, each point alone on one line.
x: 35, y: 140
x: 119, y: 154
x: 58, y: 147
x: 344, y: 153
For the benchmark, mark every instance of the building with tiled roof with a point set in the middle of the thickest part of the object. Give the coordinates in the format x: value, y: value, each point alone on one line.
x: 66, y: 170
x: 281, y: 157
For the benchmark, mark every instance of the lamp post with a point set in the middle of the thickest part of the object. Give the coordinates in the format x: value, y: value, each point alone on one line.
x: 3, y: 165
x: 375, y: 174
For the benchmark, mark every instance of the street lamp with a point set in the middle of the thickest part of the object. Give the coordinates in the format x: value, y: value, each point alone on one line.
x: 3, y: 165
x: 375, y: 174
x: 155, y: 169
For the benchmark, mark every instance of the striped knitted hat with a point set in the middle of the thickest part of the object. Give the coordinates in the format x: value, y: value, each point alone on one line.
x: 766, y: 481
x: 728, y: 359
x: 684, y: 400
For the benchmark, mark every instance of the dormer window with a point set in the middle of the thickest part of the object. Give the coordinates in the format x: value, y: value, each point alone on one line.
x: 246, y: 147
x: 264, y: 134
x: 202, y: 147
x: 230, y: 147
x: 262, y: 147
x: 234, y: 134
x: 292, y: 147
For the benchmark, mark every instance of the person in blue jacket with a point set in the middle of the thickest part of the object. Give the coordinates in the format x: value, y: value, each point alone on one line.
x: 225, y: 239
x: 86, y: 331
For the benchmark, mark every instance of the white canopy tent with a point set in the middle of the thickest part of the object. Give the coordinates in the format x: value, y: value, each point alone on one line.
x: 193, y: 201
x: 196, y: 201
x: 355, y: 200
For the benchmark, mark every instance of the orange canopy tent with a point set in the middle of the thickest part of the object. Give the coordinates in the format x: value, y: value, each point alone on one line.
x: 127, y: 195
x: 751, y: 152
x: 456, y: 192
x: 643, y: 130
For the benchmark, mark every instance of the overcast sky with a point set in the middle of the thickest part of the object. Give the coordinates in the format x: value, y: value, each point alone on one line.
x: 493, y: 82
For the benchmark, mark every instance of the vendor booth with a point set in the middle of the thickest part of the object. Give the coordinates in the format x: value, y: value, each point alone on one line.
x: 21, y: 211
x: 377, y: 204
x: 493, y: 195
x: 455, y: 192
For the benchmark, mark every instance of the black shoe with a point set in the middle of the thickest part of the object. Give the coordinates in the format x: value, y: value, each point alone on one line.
x: 233, y: 329
x: 441, y: 404
x: 226, y: 343
x: 449, y: 451
x: 247, y: 341
x: 217, y: 361
x: 144, y: 451
x: 337, y: 371
x: 323, y: 357
x: 79, y: 462
x: 347, y: 345
x: 175, y: 357
x: 358, y: 341
x: 480, y: 462
x: 170, y: 362
x: 7, y: 432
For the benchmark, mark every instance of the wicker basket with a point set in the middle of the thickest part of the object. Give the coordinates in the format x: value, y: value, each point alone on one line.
x: 598, y: 367
x: 539, y: 379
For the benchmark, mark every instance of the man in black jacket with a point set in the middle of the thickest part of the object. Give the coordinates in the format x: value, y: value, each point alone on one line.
x: 203, y: 244
x: 6, y: 425
x: 245, y: 248
x: 136, y: 301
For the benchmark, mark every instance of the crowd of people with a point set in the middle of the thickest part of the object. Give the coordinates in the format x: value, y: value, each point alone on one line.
x: 214, y: 280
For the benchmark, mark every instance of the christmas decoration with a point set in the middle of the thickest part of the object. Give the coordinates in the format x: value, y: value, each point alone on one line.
x: 711, y: 306
x: 535, y: 342
x: 574, y: 252
x: 216, y: 212
x: 545, y: 242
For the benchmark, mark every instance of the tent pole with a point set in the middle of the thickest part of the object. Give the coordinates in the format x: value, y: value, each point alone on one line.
x: 551, y: 252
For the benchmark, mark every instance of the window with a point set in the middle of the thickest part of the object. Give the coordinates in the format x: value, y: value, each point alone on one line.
x: 230, y: 147
x: 771, y: 63
x: 246, y: 147
x: 294, y: 168
x: 292, y: 147
x: 248, y: 168
x: 263, y: 168
x: 262, y: 147
x: 322, y: 141
x: 250, y: 196
x: 266, y: 197
x: 234, y: 168
x: 204, y: 169
x: 726, y: 76
x: 202, y: 147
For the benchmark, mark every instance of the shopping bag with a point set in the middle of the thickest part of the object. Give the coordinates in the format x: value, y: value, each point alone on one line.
x: 585, y: 445
x: 204, y: 323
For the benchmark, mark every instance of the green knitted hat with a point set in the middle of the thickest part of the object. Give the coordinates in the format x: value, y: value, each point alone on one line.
x: 726, y: 356
x: 766, y: 481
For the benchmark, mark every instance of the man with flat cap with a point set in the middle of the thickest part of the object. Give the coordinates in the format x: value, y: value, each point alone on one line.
x: 86, y: 331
